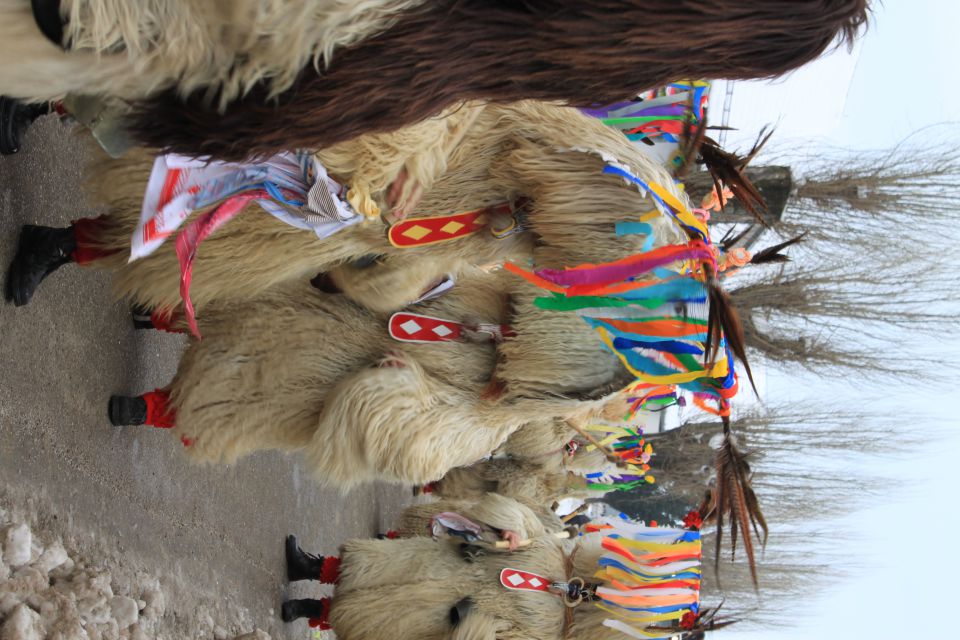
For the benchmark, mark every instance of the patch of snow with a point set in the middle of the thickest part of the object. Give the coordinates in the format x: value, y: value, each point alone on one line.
x: 124, y: 611
x: 48, y: 592
x: 16, y: 546
x: 52, y: 557
x: 22, y: 624
x: 256, y: 634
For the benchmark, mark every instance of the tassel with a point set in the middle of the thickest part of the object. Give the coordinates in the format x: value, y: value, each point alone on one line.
x: 359, y: 198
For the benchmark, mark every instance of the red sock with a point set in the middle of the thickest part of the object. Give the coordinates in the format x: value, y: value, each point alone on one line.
x: 165, y: 320
x: 322, y: 622
x: 87, y: 232
x: 159, y: 413
x: 430, y: 487
x: 330, y: 570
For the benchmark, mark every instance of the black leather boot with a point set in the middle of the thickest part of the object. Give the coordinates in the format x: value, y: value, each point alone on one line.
x: 300, y: 564
x: 127, y: 411
x: 40, y: 252
x: 308, y: 608
x: 141, y: 317
x: 15, y: 118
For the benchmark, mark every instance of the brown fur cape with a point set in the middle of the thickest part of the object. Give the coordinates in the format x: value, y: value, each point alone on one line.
x: 448, y: 51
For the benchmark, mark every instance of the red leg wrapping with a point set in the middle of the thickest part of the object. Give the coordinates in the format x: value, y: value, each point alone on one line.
x: 87, y: 232
x: 166, y: 319
x: 330, y: 570
x: 322, y: 622
x: 159, y: 413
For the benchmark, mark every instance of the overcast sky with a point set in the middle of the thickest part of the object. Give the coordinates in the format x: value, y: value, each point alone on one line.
x: 901, y: 78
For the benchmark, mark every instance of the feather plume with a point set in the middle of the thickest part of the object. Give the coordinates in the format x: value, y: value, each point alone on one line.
x: 772, y: 253
x: 726, y: 170
x: 729, y: 240
x: 706, y: 621
x: 723, y: 321
x: 734, y: 498
x: 691, y: 141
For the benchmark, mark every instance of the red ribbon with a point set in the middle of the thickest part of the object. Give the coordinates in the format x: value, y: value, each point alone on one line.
x: 188, y: 241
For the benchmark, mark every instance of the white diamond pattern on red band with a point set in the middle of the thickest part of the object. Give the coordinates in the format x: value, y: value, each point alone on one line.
x: 518, y: 580
x: 411, y: 327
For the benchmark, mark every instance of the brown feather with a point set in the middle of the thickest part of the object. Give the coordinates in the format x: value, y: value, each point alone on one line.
x: 733, y: 497
x: 717, y: 511
x: 726, y: 169
x: 724, y: 320
x: 756, y: 516
x: 740, y: 512
x: 729, y: 240
x: 692, y: 140
x: 772, y: 253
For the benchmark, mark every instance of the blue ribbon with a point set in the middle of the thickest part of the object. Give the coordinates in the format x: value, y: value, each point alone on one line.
x: 610, y: 169
x: 277, y: 195
x: 668, y: 346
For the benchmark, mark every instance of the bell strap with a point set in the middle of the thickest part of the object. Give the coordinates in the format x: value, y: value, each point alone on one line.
x: 414, y: 327
x: 419, y: 232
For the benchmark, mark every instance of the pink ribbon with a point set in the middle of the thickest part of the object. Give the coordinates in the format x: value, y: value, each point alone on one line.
x: 188, y: 241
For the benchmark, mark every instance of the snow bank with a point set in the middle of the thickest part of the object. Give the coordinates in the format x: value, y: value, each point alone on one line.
x: 46, y: 593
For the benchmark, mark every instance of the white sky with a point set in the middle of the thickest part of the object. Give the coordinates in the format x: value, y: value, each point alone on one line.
x: 902, y: 77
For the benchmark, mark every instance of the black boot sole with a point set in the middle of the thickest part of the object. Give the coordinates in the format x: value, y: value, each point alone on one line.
x: 290, y: 548
x: 287, y: 614
x: 9, y: 144
x: 294, y: 556
x: 141, y: 317
x: 125, y: 411
x: 292, y: 610
x: 31, y: 237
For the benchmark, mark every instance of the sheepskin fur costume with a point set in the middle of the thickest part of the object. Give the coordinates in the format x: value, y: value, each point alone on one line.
x: 424, y: 579
x: 487, y: 508
x: 473, y: 158
x: 218, y: 48
x: 532, y: 466
x: 234, y: 78
x: 301, y: 370
x: 297, y: 369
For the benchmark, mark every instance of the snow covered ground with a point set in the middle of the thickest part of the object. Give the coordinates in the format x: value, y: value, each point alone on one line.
x: 50, y: 591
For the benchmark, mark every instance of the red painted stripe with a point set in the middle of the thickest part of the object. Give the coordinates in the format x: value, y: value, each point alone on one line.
x: 169, y: 185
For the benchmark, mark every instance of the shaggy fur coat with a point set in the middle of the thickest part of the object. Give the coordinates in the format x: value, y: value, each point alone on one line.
x: 532, y: 466
x: 301, y: 370
x: 494, y: 511
x: 220, y: 48
x: 211, y: 70
x: 472, y: 158
x: 424, y: 579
